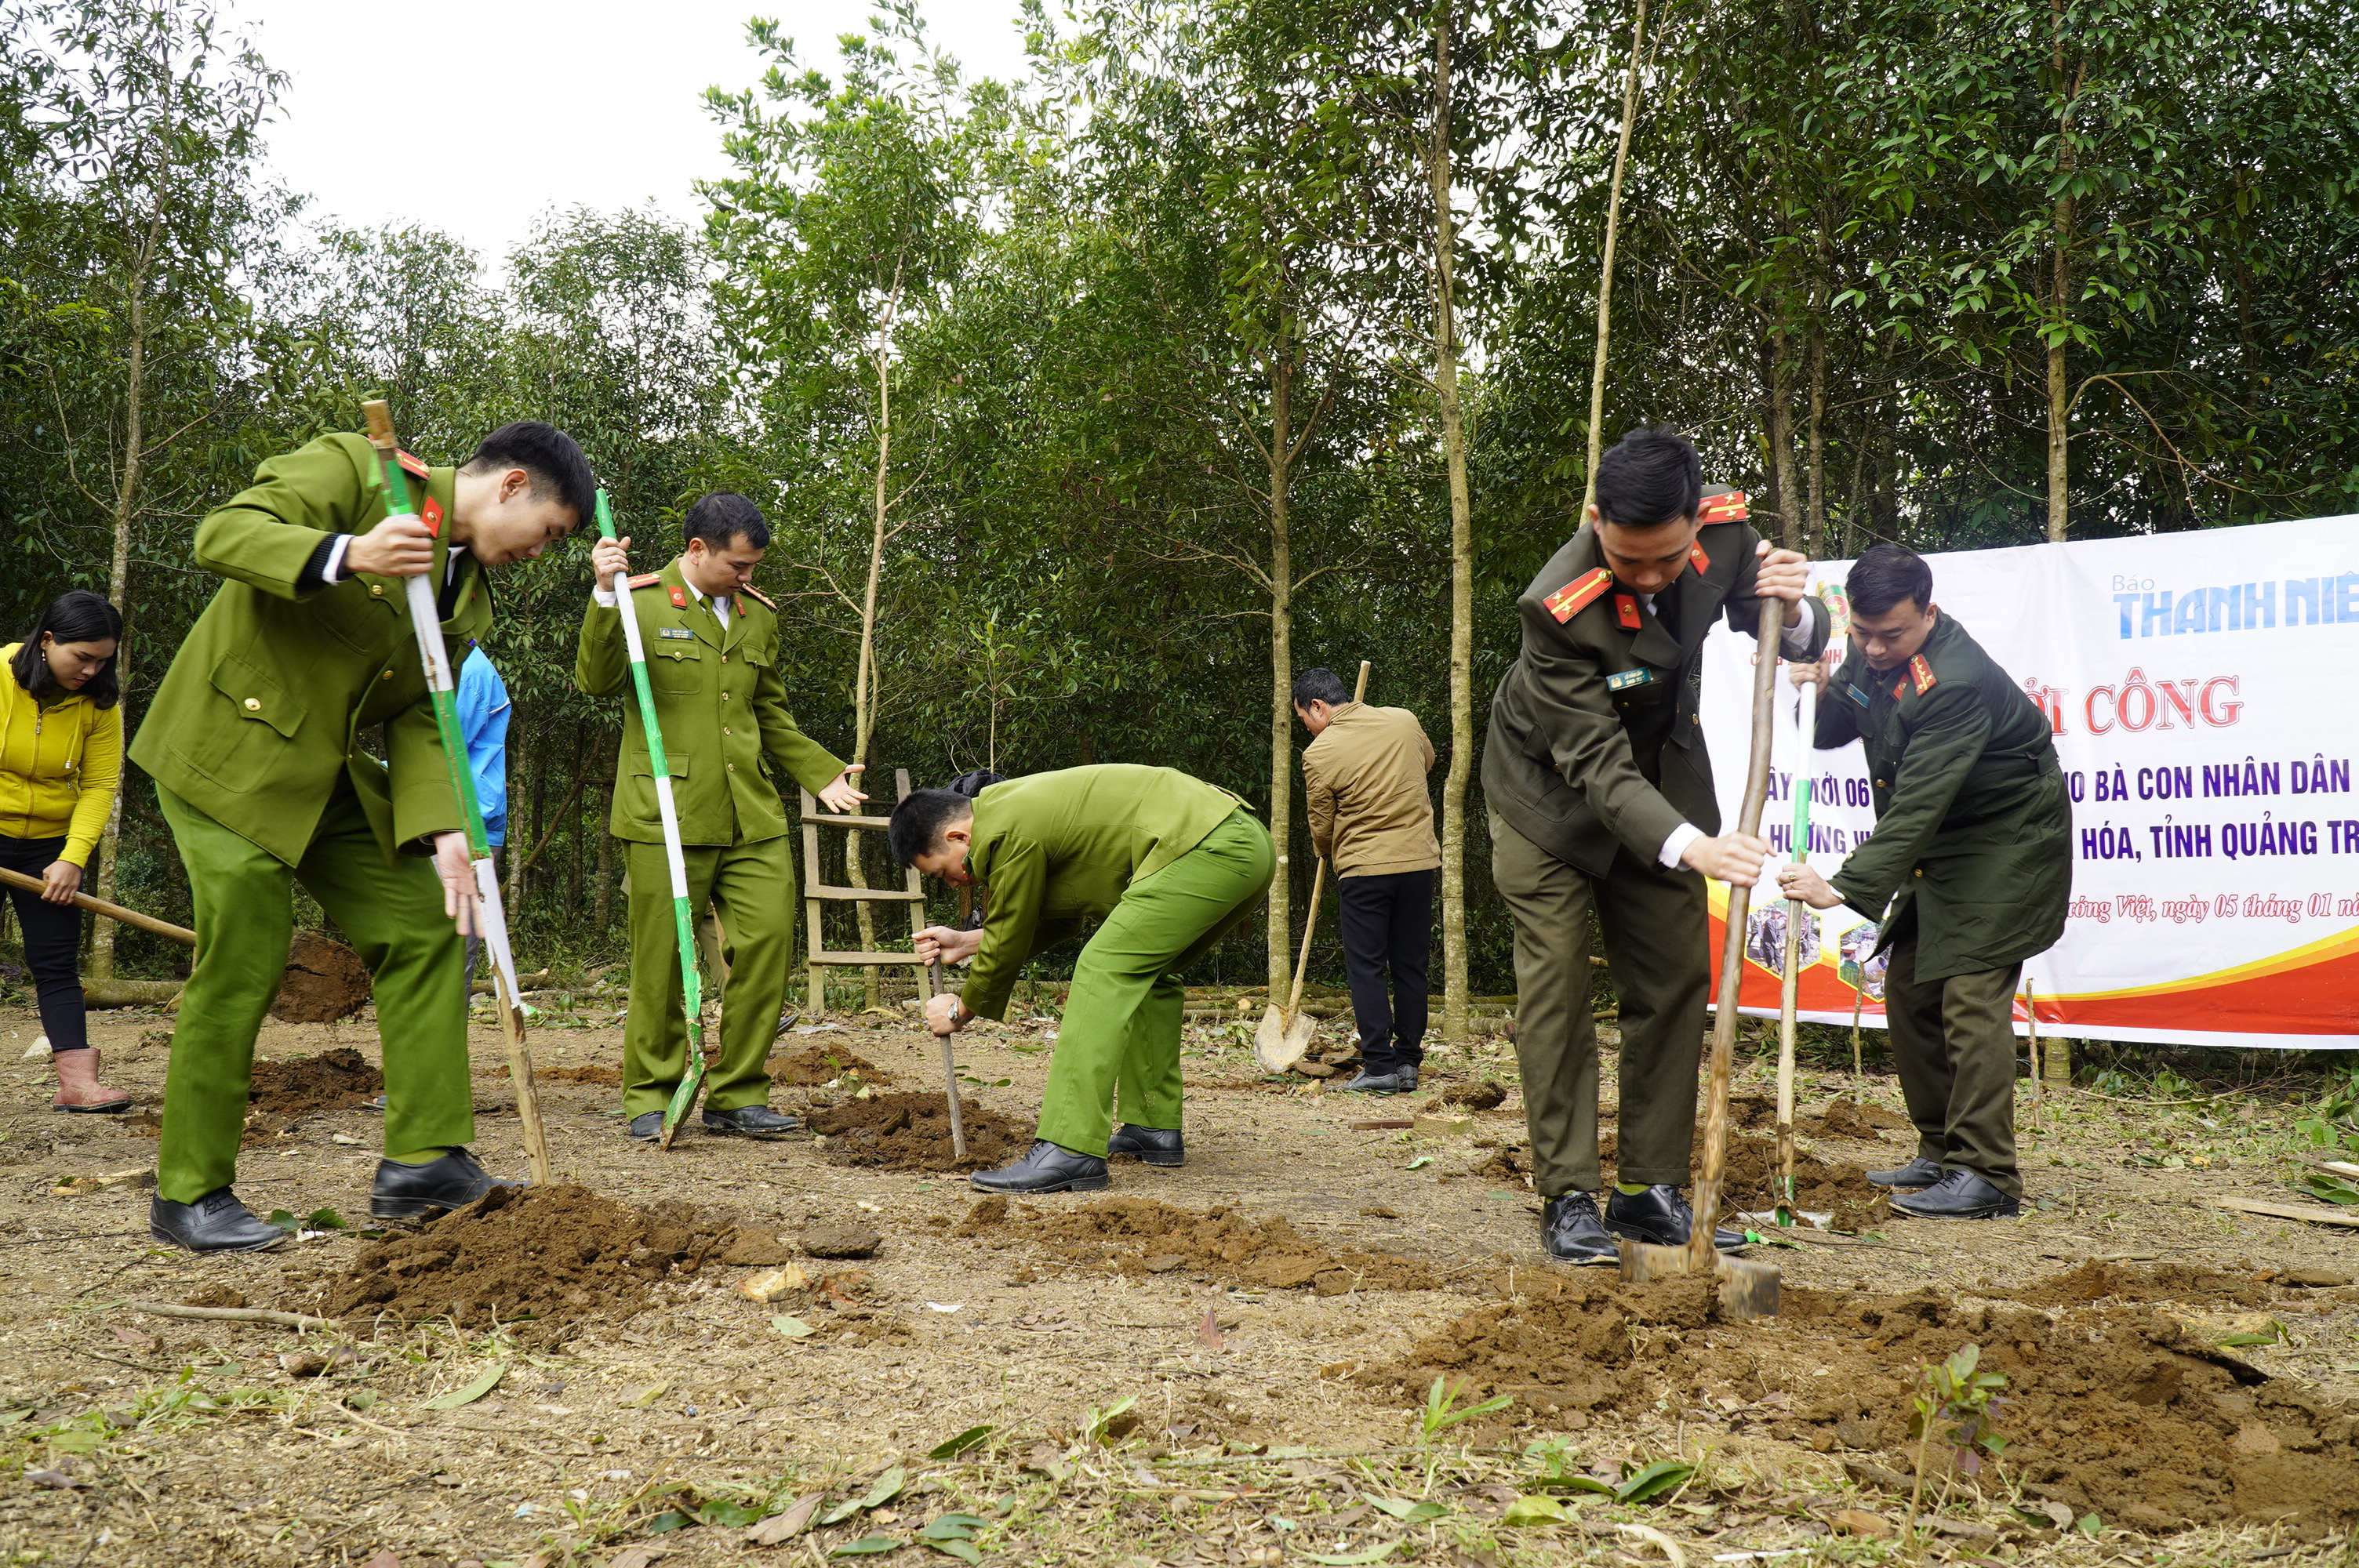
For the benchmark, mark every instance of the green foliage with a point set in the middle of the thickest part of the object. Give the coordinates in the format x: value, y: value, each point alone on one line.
x: 1442, y: 1410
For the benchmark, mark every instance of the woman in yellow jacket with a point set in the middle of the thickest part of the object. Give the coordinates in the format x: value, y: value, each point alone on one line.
x: 60, y: 762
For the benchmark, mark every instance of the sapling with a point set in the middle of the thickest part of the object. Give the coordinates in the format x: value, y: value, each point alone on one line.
x: 1956, y: 1404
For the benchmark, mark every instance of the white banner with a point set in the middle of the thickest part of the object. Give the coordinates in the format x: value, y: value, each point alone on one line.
x: 2201, y: 690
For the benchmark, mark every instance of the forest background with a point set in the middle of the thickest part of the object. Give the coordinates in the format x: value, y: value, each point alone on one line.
x: 1236, y: 337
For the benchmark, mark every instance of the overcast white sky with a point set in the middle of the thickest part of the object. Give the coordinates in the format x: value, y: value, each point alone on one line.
x: 506, y: 107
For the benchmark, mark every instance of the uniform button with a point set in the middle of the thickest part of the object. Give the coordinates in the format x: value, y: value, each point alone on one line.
x: 1881, y: 785
x: 724, y: 658
x: 376, y: 591
x: 724, y: 730
x: 733, y: 768
x: 387, y: 676
x: 254, y: 705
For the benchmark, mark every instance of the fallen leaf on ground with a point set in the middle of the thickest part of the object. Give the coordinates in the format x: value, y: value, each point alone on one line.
x: 786, y: 1526
x: 1860, y: 1522
x: 1209, y: 1331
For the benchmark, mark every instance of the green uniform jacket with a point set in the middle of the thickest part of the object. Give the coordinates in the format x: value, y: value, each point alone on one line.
x: 263, y: 708
x: 1057, y: 848
x: 1974, y: 831
x: 1594, y: 742
x: 729, y: 742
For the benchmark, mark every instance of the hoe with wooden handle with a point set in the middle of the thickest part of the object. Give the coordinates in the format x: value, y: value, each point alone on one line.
x: 1747, y: 1288
x: 1285, y: 1032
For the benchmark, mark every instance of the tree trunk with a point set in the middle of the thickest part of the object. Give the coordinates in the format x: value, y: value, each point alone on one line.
x: 1605, y: 263
x: 602, y: 889
x: 1461, y: 561
x: 1781, y: 444
x: 2059, y: 396
x: 1281, y: 668
x: 1815, y: 530
x: 864, y: 705
x: 573, y: 833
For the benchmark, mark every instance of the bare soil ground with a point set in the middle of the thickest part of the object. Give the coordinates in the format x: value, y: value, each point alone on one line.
x: 1230, y: 1363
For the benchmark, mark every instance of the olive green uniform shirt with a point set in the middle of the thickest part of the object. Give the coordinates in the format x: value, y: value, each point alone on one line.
x: 1057, y: 848
x: 729, y: 742
x: 264, y: 708
x: 1972, y: 843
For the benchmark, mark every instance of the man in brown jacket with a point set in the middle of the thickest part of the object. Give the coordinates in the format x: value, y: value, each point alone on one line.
x: 1364, y: 783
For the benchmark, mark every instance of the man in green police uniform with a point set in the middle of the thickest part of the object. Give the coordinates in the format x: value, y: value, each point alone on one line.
x: 1165, y: 862
x: 1601, y: 797
x: 712, y: 645
x: 1972, y: 851
x: 256, y: 743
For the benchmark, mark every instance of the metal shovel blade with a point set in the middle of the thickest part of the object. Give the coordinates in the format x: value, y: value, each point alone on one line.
x: 1280, y: 1042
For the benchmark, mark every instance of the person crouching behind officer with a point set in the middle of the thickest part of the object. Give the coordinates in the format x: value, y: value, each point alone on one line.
x: 1972, y: 850
x: 1164, y: 862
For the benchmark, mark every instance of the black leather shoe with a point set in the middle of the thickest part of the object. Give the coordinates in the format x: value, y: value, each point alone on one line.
x: 1571, y: 1231
x: 1048, y: 1168
x: 421, y: 1192
x: 1153, y: 1145
x: 746, y: 1121
x: 217, y: 1222
x: 1961, y: 1194
x: 1400, y: 1081
x: 1919, y: 1172
x: 1661, y: 1215
x: 647, y: 1126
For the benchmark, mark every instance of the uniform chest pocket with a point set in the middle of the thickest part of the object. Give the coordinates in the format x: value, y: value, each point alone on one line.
x: 255, y: 693
x: 675, y: 667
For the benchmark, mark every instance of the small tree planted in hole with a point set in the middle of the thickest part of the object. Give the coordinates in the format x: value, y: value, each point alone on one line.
x: 1955, y: 1407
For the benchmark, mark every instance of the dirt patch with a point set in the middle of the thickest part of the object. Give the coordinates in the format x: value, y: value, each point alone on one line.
x: 302, y: 1085
x: 912, y: 1132
x: 816, y: 1065
x: 1844, y: 1118
x: 2095, y: 1281
x: 605, y: 1077
x: 1475, y: 1096
x: 546, y: 1257
x: 1749, y: 1181
x: 841, y: 1242
x: 325, y: 981
x: 1136, y: 1237
x: 2116, y: 1410
x: 215, y: 1296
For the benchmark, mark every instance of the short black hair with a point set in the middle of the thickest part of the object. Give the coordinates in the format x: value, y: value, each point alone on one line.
x: 919, y: 819
x: 76, y: 615
x: 1885, y: 575
x: 550, y: 456
x: 1650, y: 477
x: 721, y: 517
x: 1319, y: 684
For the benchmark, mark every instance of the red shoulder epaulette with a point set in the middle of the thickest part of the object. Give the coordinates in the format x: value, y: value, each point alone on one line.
x: 1698, y: 559
x: 1577, y: 595
x: 762, y: 598
x: 646, y: 579
x: 679, y: 599
x: 1922, y: 672
x: 1625, y: 611
x: 414, y: 467
x: 1727, y: 506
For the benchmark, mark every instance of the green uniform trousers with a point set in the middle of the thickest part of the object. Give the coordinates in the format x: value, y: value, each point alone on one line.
x: 1953, y: 1043
x: 1122, y: 1014
x: 751, y: 888
x: 1656, y: 947
x: 393, y: 917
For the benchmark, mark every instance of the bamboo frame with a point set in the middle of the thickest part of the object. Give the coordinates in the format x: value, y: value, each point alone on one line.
x: 818, y: 895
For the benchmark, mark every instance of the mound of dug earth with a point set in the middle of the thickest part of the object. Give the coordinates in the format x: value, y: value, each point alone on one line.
x: 605, y: 1077
x: 816, y: 1065
x: 1141, y: 1236
x: 300, y: 1085
x: 2092, y: 1283
x: 551, y: 1258
x: 2116, y: 1410
x: 912, y: 1132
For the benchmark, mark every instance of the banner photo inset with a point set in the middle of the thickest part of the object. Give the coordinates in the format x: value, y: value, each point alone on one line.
x: 2203, y: 689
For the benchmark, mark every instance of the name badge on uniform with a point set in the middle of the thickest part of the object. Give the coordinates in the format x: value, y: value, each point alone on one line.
x: 1627, y: 679
x: 1856, y: 695
x: 679, y: 634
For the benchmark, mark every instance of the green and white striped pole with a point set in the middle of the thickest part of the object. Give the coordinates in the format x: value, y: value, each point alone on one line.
x: 691, y: 985
x: 490, y: 920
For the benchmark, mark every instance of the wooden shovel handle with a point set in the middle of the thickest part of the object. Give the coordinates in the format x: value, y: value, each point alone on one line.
x: 180, y: 933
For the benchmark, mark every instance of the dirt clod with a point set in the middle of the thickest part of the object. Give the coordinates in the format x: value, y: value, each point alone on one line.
x: 325, y: 981
x: 1843, y: 1118
x: 213, y: 1296
x: 302, y: 1085
x: 754, y: 1249
x: 2094, y: 1282
x: 912, y: 1132
x: 1475, y: 1096
x: 841, y: 1242
x: 605, y: 1077
x: 551, y: 1258
x: 816, y: 1065
x: 1142, y: 1236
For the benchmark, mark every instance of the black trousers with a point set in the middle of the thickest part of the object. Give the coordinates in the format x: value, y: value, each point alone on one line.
x: 52, y: 944
x: 1388, y: 930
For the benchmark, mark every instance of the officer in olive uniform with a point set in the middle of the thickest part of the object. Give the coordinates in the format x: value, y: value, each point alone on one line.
x: 711, y: 646
x: 1972, y: 853
x: 258, y: 741
x: 1601, y: 795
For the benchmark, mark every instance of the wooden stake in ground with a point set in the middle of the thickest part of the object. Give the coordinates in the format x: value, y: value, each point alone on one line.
x: 2031, y: 1023
x: 950, y: 1068
x: 490, y: 919
x: 1858, y: 995
x: 1747, y: 1288
x: 1790, y: 988
x: 1285, y: 1032
x: 180, y: 933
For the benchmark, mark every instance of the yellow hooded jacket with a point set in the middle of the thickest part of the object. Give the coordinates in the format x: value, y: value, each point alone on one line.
x: 59, y: 765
